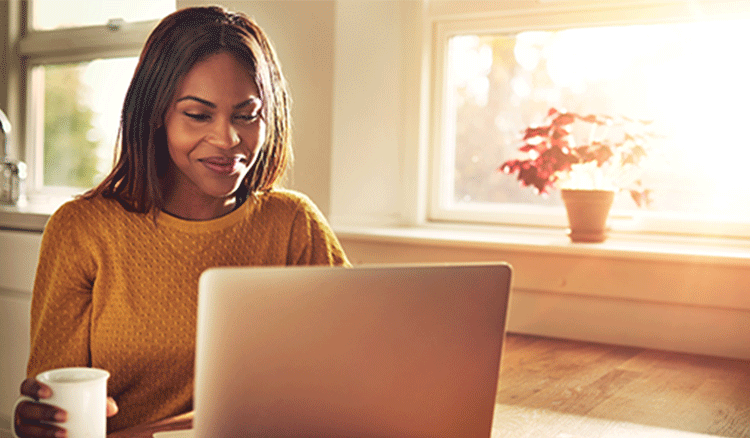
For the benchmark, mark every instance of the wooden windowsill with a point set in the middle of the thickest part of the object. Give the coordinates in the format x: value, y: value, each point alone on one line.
x: 555, y: 241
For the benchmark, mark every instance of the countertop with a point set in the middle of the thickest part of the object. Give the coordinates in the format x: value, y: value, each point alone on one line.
x: 30, y: 216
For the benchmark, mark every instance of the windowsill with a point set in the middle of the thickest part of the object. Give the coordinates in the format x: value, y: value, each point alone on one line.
x: 33, y: 215
x: 685, y: 249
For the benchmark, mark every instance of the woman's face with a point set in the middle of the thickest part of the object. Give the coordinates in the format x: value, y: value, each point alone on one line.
x: 214, y: 132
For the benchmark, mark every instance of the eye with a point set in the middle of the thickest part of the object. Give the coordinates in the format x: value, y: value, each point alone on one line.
x: 197, y: 116
x: 247, y: 118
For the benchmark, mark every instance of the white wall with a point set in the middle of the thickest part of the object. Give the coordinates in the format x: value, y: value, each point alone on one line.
x: 368, y: 134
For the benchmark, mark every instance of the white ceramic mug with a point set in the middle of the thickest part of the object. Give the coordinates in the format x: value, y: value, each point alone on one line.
x: 82, y: 393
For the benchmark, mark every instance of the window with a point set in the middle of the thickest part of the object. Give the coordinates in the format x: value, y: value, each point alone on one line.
x: 679, y: 68
x: 79, y: 57
x: 81, y: 109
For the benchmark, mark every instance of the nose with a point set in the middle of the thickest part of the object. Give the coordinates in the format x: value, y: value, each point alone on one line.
x: 223, y: 134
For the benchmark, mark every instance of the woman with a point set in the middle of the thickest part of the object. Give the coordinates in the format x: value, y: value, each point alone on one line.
x: 204, y: 141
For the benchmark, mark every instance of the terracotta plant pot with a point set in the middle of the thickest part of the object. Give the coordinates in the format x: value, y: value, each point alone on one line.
x: 588, y: 211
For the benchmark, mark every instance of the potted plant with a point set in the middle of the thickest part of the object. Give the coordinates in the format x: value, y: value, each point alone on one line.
x: 588, y: 174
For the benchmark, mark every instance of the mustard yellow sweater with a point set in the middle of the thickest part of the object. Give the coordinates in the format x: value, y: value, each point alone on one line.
x: 114, y: 290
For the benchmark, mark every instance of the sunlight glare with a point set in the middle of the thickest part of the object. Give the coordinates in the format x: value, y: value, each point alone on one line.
x: 691, y: 77
x: 707, y: 108
x: 528, y: 48
x: 470, y: 63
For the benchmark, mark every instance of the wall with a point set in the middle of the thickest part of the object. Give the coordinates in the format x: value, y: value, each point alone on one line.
x: 378, y: 159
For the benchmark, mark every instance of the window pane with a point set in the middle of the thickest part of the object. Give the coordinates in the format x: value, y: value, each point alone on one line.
x: 688, y: 78
x: 55, y: 14
x: 82, y: 105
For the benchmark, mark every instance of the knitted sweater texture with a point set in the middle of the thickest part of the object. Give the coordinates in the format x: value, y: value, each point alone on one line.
x: 118, y: 291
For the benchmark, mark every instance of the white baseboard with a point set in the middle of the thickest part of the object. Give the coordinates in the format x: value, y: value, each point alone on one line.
x: 687, y: 329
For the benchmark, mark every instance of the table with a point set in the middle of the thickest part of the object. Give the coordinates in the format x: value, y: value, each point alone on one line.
x: 557, y: 388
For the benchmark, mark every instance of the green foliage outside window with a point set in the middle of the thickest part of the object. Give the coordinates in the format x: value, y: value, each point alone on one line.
x: 70, y: 157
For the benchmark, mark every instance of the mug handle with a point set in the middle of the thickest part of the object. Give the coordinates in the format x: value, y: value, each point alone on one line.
x: 22, y: 398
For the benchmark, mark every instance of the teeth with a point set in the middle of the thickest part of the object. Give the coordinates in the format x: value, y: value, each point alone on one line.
x: 219, y: 161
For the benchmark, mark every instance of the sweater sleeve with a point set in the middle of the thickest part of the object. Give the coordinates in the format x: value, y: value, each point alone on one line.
x: 312, y: 241
x: 61, y: 300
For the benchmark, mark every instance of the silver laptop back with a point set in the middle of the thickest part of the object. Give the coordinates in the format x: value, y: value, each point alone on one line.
x: 383, y: 351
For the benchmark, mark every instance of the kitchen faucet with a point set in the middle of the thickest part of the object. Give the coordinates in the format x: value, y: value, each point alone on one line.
x: 12, y: 172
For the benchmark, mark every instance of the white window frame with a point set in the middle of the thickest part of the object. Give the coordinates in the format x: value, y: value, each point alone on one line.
x: 39, y: 47
x: 448, y: 18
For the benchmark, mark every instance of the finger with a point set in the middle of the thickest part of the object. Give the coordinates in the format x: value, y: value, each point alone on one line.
x: 30, y: 412
x: 40, y: 430
x: 112, y: 407
x: 35, y: 389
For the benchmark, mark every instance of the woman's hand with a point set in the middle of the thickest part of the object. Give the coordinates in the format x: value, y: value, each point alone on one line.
x: 31, y: 419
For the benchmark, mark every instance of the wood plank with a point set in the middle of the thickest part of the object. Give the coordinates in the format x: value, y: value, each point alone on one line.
x: 522, y: 422
x: 547, y: 372
x: 720, y: 407
x: 551, y: 387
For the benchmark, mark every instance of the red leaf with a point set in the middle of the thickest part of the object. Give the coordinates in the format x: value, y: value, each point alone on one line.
x: 602, y: 154
x: 532, y: 147
x: 564, y: 119
x: 589, y: 119
x: 641, y: 197
x: 538, y: 131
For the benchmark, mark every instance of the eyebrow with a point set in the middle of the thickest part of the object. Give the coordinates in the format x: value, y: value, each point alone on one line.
x: 213, y: 105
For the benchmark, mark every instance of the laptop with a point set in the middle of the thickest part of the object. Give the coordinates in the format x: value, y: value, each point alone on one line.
x: 369, y: 351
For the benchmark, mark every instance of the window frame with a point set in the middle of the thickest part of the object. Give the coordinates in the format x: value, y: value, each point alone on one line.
x: 448, y: 18
x: 34, y: 48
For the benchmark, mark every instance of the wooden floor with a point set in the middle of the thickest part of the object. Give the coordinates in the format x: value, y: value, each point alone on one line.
x: 555, y: 388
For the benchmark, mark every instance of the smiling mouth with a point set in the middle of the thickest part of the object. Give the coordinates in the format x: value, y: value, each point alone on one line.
x: 221, y: 165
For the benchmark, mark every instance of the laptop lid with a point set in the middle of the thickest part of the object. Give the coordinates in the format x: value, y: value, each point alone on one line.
x: 378, y: 351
